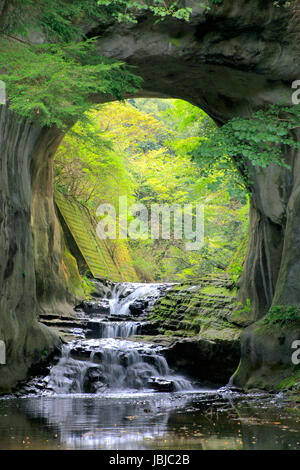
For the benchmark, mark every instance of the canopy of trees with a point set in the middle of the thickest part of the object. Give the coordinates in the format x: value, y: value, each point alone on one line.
x: 143, y: 150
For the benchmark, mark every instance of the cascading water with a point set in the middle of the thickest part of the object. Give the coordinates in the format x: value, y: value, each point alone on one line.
x: 123, y: 329
x: 125, y: 294
x: 108, y: 362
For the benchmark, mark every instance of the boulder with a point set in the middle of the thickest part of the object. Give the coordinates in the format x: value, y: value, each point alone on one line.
x: 138, y: 307
x: 93, y: 380
x: 161, y: 385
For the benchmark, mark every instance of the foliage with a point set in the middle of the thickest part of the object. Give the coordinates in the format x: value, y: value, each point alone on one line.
x: 246, y: 309
x: 132, y: 131
x: 63, y: 75
x: 148, y: 161
x: 61, y: 20
x: 57, y: 21
x: 87, y: 167
x: 64, y: 71
x: 282, y: 315
x: 282, y: 3
x: 57, y: 87
x: 256, y: 140
x: 128, y: 10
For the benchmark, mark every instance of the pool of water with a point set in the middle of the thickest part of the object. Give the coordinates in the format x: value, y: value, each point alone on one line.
x: 110, y: 393
x: 203, y: 419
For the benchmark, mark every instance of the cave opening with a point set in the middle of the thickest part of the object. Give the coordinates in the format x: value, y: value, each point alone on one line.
x: 141, y: 151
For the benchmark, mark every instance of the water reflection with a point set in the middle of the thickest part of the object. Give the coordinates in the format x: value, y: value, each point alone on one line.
x: 206, y: 420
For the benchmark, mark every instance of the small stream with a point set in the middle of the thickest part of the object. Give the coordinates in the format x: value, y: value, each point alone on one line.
x: 109, y: 361
x: 111, y: 391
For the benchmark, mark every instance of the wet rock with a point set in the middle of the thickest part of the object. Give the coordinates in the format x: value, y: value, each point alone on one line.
x: 93, y: 380
x: 266, y: 357
x: 101, y: 290
x: 150, y: 328
x: 138, y: 307
x: 126, y: 292
x: 193, y: 309
x: 115, y: 317
x: 85, y: 353
x: 79, y: 352
x: 96, y: 308
x: 210, y: 360
x: 161, y: 385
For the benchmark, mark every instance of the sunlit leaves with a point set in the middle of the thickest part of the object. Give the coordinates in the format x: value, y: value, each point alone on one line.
x: 87, y: 167
x: 58, y: 85
x: 258, y: 140
x: 148, y: 160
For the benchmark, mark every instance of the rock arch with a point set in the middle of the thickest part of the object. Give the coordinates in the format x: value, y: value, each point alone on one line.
x: 230, y: 62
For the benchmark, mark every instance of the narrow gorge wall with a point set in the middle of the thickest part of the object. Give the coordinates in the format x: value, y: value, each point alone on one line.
x: 231, y: 61
x: 26, y: 340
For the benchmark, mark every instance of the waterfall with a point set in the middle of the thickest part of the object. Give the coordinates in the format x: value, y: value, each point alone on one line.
x: 111, y: 362
x: 120, y: 302
x: 123, y: 329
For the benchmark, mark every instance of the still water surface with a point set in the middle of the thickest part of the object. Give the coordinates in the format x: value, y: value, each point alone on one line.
x: 206, y: 419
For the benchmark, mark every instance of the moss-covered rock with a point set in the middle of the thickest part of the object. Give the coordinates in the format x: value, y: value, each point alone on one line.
x: 200, y: 322
x: 72, y: 274
x: 205, y: 309
x: 266, y: 357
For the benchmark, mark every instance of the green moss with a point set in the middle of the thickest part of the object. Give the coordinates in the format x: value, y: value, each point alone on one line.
x: 88, y: 287
x: 282, y: 315
x: 292, y: 382
x: 180, y: 333
x: 213, y: 290
x: 189, y: 310
x: 72, y: 274
x: 238, y: 369
x: 95, y: 252
x: 295, y: 411
x: 175, y: 41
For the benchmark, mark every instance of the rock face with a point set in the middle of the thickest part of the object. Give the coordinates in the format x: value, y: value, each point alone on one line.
x: 231, y: 61
x: 266, y: 360
x: 205, y: 309
x: 206, y: 360
x: 26, y: 340
x: 204, y: 314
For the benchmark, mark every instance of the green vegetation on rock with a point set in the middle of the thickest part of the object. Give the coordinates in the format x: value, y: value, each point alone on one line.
x: 204, y: 310
x: 282, y: 315
x: 291, y: 383
x: 104, y: 258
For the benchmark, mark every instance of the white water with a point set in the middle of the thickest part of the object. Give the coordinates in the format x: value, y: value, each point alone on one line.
x: 120, y: 306
x: 122, y: 329
x: 108, y: 363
